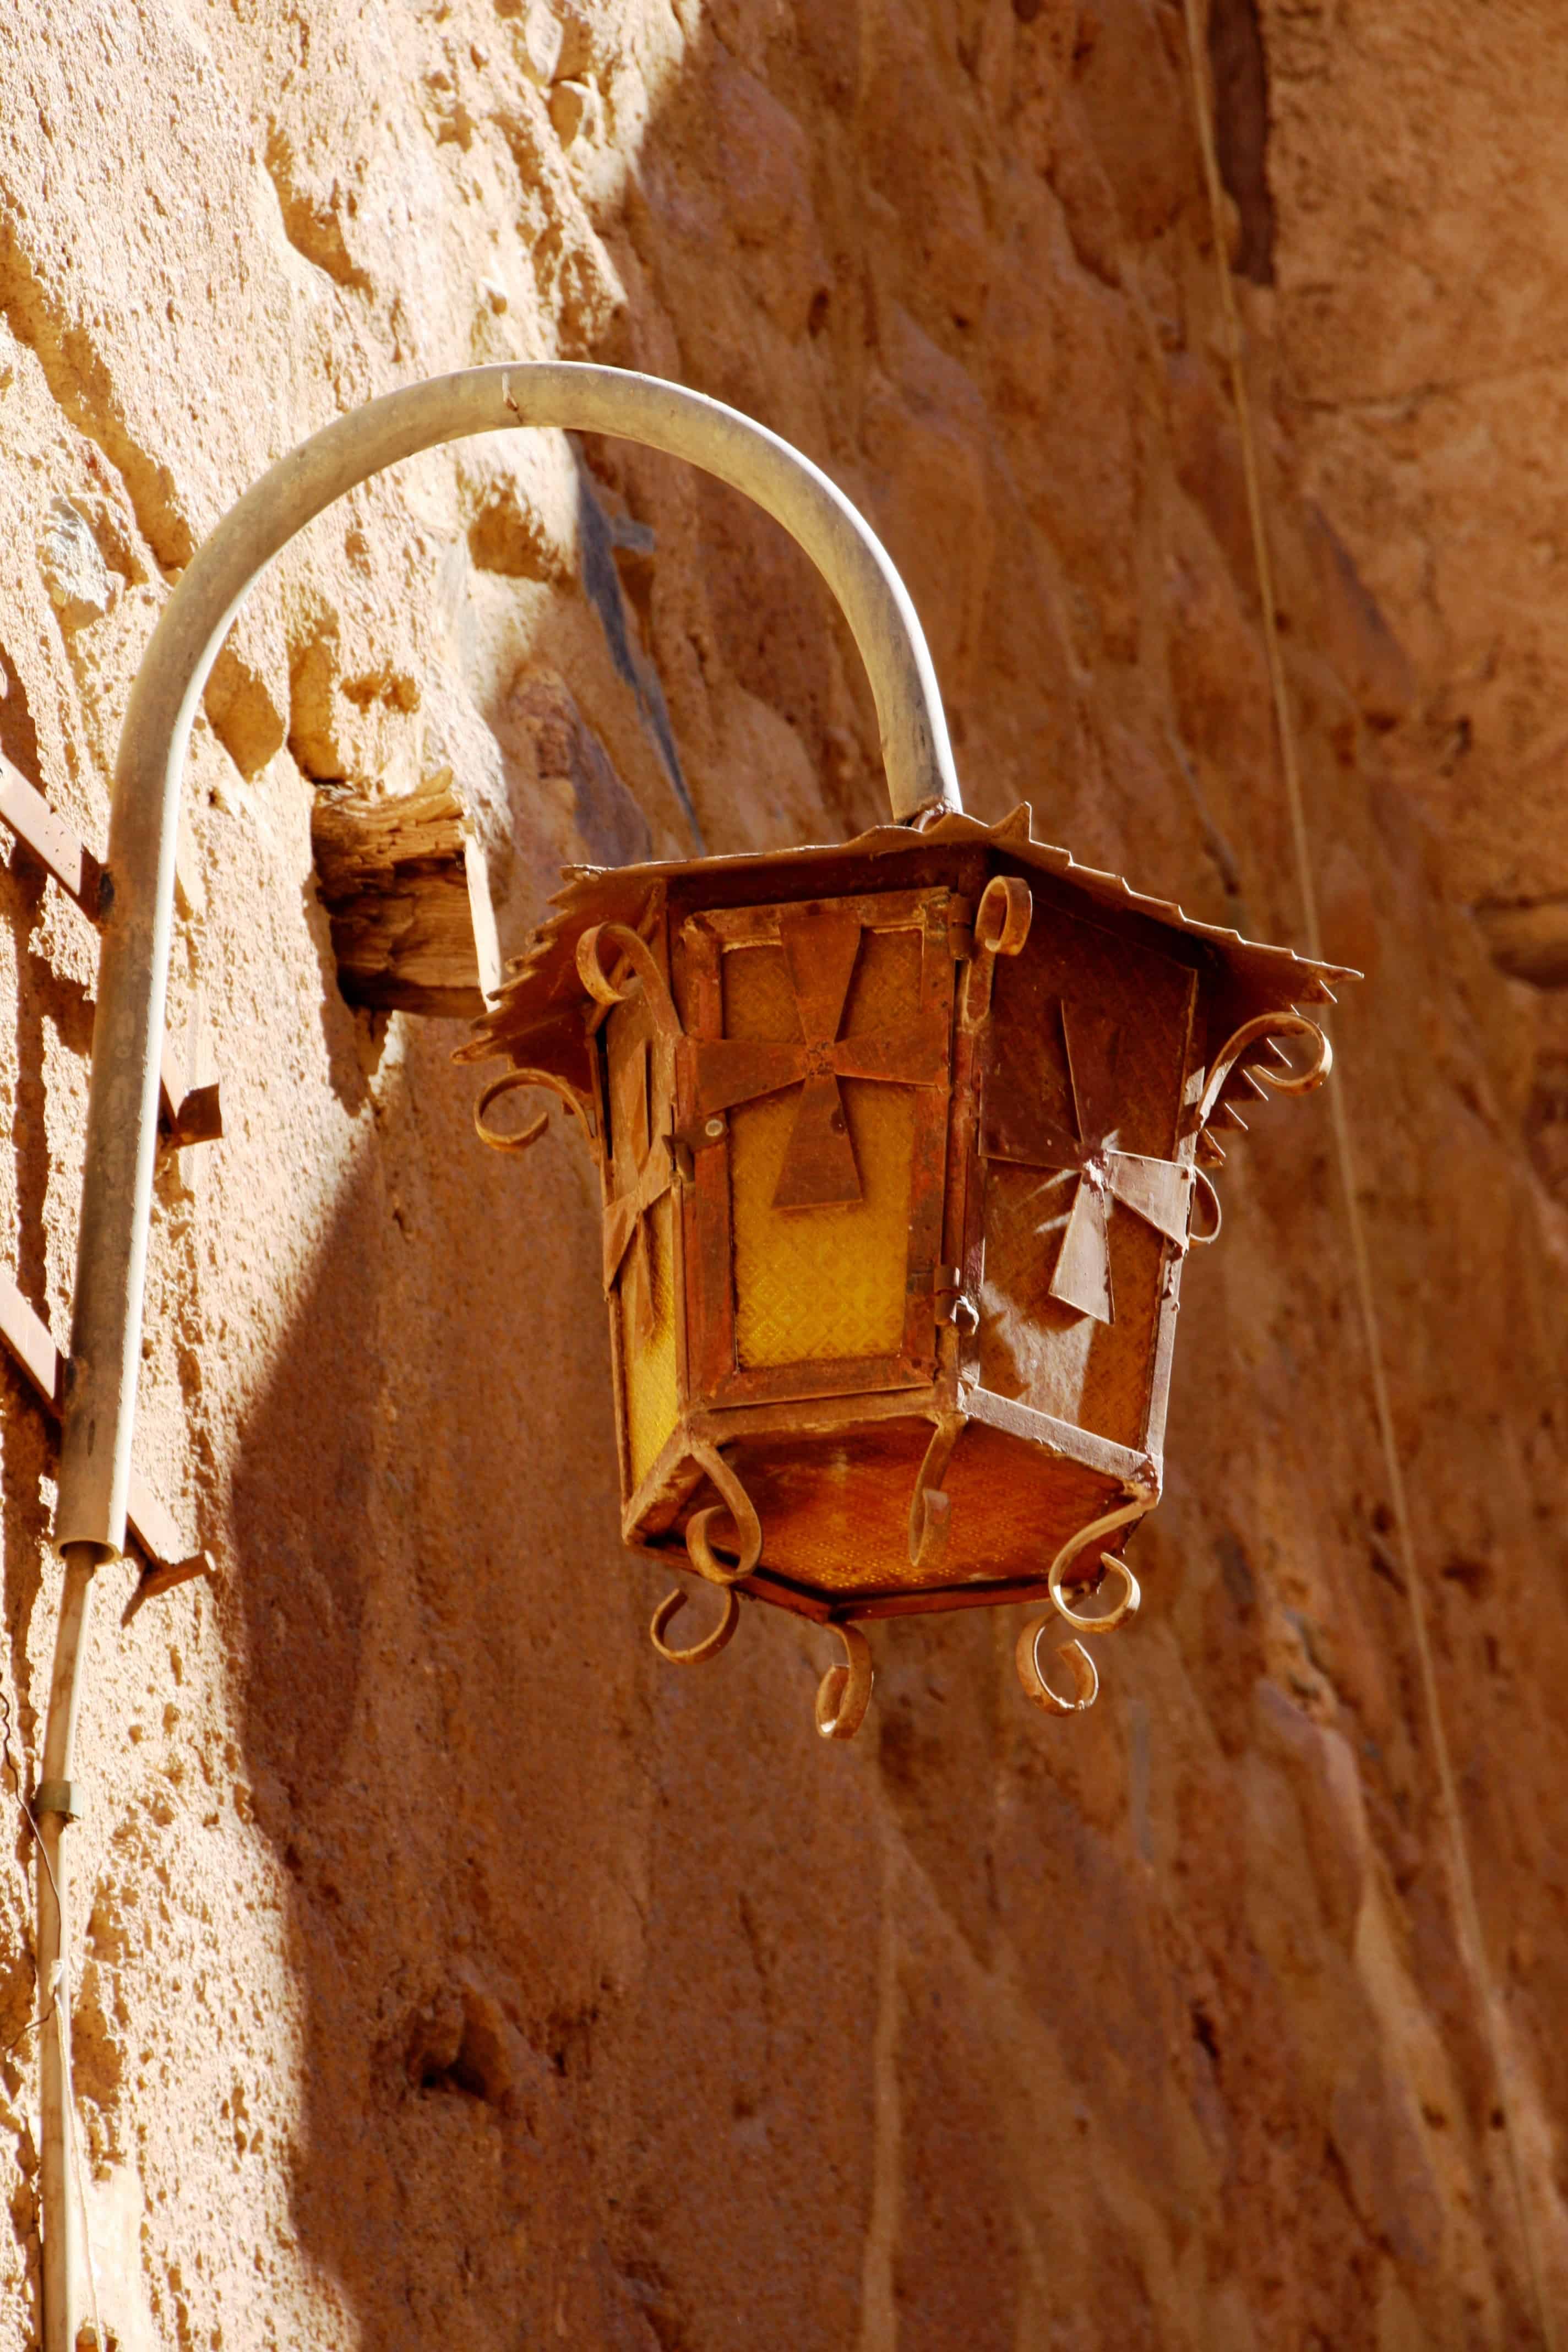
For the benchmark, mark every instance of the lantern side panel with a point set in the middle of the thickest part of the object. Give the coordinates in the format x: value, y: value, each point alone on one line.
x: 1087, y: 1062
x: 829, y: 1287
x: 828, y: 1283
x: 642, y: 1272
x: 815, y: 1100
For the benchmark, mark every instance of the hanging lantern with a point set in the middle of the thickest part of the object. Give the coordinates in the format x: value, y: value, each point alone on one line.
x: 902, y: 1145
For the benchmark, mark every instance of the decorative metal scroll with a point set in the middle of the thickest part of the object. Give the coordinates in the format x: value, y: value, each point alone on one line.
x: 1253, y: 1058
x: 1085, y: 1675
x: 1001, y: 922
x: 738, y: 1508
x: 845, y: 1692
x: 513, y: 1081
x: 930, y: 1510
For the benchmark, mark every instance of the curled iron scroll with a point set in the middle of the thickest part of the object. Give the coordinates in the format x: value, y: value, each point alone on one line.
x: 507, y: 1083
x: 738, y: 1508
x: 1002, y: 923
x: 845, y: 1692
x: 1204, y: 1191
x: 670, y: 1607
x: 931, y: 1511
x: 636, y: 950
x: 1274, y: 1076
x: 1085, y: 1675
x: 1031, y: 1674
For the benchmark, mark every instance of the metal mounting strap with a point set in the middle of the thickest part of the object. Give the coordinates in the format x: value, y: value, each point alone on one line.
x: 65, y: 1797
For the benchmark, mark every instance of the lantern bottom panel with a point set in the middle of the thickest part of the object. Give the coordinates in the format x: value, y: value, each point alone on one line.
x: 835, y: 1508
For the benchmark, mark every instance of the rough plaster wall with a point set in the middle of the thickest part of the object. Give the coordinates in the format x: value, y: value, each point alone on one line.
x: 451, y: 1971
x: 1421, y: 181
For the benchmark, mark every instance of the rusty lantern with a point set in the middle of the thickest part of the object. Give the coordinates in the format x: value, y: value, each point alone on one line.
x: 902, y: 1145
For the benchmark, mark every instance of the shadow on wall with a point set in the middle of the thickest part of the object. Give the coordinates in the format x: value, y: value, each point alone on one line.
x: 610, y: 2039
x: 633, y: 2015
x: 406, y: 1541
x: 52, y: 1011
x: 575, y: 1999
x: 581, y: 1945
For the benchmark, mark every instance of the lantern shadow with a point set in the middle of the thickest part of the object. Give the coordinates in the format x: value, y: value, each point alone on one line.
x: 525, y: 1889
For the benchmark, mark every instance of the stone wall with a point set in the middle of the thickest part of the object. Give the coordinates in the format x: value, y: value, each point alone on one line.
x: 449, y: 1970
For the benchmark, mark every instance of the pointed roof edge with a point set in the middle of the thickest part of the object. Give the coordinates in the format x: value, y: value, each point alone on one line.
x: 543, y: 981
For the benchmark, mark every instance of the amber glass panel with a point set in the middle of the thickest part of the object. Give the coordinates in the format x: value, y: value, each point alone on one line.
x: 822, y: 1284
x: 652, y: 1397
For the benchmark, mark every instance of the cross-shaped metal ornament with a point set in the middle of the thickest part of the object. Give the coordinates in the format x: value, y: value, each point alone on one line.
x: 1023, y: 1134
x: 821, y: 946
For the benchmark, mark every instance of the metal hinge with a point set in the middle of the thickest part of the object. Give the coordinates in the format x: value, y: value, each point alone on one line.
x: 951, y: 1302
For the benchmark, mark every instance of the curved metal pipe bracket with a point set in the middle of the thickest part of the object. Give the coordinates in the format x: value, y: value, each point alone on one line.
x: 121, y: 1128
x: 134, y: 961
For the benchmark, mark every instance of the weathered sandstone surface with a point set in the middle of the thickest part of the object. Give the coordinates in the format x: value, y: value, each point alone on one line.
x: 449, y: 1970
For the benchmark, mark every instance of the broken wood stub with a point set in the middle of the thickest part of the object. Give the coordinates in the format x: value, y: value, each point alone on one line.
x: 406, y: 889
x: 50, y: 840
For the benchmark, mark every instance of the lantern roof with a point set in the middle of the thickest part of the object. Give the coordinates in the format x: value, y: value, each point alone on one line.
x: 537, y: 1014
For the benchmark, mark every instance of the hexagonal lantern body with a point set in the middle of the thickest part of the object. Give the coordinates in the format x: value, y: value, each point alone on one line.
x: 902, y: 1147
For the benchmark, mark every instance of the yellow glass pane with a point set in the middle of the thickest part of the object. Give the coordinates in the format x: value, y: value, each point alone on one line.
x: 822, y: 1283
x: 758, y: 998
x: 652, y: 1393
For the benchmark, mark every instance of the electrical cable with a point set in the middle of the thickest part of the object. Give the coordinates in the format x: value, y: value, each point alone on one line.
x: 1471, y: 1939
x: 13, y: 1764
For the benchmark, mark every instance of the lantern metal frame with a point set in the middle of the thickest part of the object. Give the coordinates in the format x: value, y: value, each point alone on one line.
x: 619, y: 1010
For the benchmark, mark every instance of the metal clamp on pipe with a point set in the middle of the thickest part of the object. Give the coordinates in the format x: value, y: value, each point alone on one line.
x: 65, y: 1798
